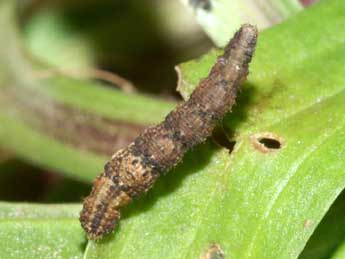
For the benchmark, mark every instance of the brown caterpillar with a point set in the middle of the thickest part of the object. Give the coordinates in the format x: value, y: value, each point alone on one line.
x: 133, y: 170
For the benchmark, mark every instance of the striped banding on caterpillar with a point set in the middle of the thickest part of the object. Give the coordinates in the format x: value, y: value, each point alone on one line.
x: 133, y: 170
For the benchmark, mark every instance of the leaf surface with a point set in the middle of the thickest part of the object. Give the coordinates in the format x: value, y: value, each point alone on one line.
x: 40, y: 231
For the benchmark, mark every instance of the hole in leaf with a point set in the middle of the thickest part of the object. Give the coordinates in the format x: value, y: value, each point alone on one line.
x: 270, y: 143
x: 221, y: 139
x: 267, y: 142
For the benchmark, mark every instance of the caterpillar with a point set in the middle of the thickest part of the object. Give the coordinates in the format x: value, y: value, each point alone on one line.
x: 134, y: 169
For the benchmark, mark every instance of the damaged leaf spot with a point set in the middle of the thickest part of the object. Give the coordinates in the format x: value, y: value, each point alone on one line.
x: 213, y: 252
x: 267, y: 142
x: 270, y: 143
x: 220, y: 138
x: 308, y: 223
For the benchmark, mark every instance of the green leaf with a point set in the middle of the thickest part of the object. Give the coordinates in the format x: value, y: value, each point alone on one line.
x: 340, y: 253
x: 329, y: 234
x: 258, y: 201
x: 221, y: 18
x: 40, y: 231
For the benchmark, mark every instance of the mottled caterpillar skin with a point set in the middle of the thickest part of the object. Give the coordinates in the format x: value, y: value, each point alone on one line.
x: 133, y: 170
